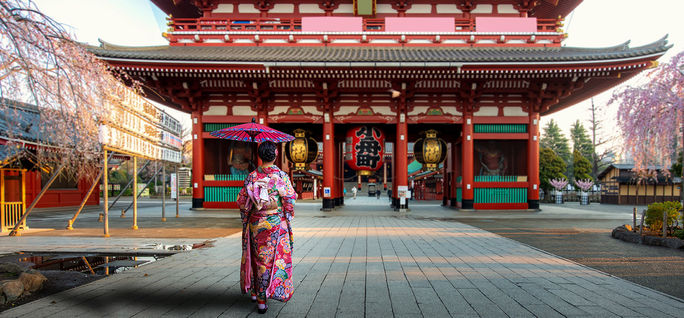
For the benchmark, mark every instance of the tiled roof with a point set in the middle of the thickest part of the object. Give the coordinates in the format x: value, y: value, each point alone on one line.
x: 19, y: 120
x: 282, y: 54
x: 625, y: 166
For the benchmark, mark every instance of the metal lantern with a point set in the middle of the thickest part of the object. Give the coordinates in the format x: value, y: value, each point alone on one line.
x: 364, y: 149
x: 430, y: 151
x: 302, y: 151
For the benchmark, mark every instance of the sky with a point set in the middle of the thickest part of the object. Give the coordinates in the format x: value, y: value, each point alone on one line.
x: 595, y: 23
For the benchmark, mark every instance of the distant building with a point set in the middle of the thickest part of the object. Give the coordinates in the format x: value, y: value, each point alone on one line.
x: 21, y: 176
x: 620, y: 185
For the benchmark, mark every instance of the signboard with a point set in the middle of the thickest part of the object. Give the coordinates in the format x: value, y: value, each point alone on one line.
x: 135, y: 126
x: 174, y: 189
x: 145, y: 190
x: 402, y: 192
x: 326, y: 192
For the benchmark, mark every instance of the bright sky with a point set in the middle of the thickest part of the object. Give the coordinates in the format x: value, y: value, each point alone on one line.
x: 595, y: 23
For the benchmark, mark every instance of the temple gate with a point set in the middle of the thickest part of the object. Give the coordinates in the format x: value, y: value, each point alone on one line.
x: 480, y: 73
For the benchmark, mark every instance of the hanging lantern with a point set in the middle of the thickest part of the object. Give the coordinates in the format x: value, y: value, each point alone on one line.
x: 430, y: 151
x: 302, y: 151
x: 364, y: 149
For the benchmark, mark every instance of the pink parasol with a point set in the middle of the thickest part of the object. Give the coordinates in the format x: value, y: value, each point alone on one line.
x: 252, y: 132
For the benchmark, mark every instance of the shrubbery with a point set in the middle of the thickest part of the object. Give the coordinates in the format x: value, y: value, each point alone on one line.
x: 654, y: 215
x: 679, y: 233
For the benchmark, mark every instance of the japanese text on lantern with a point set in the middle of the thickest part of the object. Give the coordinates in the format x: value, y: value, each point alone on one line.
x: 368, y: 148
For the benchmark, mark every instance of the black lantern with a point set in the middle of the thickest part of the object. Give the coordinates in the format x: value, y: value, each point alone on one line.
x: 301, y: 151
x: 430, y: 151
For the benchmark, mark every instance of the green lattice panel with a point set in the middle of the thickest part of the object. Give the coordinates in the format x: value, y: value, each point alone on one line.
x: 214, y: 127
x: 229, y: 177
x: 500, y: 128
x: 500, y: 195
x: 221, y: 194
x: 496, y: 178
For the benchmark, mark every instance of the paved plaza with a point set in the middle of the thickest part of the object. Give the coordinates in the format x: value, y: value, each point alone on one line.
x: 361, y: 260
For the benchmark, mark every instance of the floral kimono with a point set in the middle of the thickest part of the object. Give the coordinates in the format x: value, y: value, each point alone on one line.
x: 266, y: 206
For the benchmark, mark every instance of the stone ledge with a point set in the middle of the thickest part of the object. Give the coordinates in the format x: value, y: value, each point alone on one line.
x: 622, y: 233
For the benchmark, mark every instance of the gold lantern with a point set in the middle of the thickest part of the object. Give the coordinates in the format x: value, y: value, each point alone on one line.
x: 430, y: 151
x: 302, y: 150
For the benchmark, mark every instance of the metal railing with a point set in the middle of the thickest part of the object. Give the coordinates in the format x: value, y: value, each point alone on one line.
x: 290, y: 25
x: 11, y: 214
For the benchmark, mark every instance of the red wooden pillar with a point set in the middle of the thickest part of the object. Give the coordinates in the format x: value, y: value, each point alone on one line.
x: 338, y: 175
x: 455, y: 173
x: 533, y: 162
x: 197, y: 160
x: 468, y: 185
x: 340, y: 172
x: 446, y: 174
x: 401, y: 152
x: 328, y: 162
x: 394, y: 174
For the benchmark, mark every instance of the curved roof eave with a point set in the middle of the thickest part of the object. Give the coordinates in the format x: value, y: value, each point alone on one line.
x: 274, y: 56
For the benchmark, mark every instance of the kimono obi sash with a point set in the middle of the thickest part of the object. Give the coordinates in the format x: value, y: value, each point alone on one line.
x: 265, y: 212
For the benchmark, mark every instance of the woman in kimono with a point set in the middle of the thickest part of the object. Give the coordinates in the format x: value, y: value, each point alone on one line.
x: 267, y: 206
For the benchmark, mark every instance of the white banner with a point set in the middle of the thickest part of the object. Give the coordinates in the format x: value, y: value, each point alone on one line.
x: 174, y: 189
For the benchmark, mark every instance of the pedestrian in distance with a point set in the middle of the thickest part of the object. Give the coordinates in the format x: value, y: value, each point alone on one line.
x: 266, y: 205
x: 354, y: 192
x: 377, y: 194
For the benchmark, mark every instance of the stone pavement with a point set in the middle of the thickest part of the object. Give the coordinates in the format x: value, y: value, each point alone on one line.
x: 366, y: 261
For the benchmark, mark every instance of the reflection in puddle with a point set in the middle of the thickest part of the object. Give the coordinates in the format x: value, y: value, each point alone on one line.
x: 96, y: 264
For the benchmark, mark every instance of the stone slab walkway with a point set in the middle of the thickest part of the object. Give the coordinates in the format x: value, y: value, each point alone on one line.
x: 372, y: 266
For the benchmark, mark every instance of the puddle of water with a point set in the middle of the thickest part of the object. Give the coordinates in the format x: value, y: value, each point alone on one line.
x: 89, y: 263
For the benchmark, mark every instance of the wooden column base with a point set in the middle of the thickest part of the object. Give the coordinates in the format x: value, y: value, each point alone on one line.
x: 197, y: 203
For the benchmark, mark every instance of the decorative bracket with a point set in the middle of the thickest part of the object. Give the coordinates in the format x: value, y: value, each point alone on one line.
x: 525, y: 7
x: 404, y: 92
x: 469, y: 94
x: 401, y: 6
x: 260, y: 93
x: 466, y: 6
x: 328, y: 94
x: 264, y: 6
x: 329, y: 6
x: 206, y: 6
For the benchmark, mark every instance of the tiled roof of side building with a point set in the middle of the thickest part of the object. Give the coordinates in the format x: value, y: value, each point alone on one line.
x: 284, y: 54
x: 19, y: 120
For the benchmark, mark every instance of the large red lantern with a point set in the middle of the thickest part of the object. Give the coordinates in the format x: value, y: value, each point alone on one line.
x: 364, y: 149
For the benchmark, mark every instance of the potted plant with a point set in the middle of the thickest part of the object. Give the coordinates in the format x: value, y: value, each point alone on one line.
x: 584, y: 185
x: 559, y: 184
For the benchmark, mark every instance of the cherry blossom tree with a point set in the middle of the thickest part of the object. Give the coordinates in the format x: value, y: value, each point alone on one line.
x: 650, y: 115
x: 559, y: 184
x: 584, y: 185
x: 41, y: 64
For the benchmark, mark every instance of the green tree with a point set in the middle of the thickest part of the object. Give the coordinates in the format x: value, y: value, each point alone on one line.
x: 551, y: 166
x: 580, y: 140
x: 581, y: 166
x: 554, y: 139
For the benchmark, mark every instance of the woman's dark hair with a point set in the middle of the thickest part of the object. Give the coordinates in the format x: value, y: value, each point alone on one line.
x: 267, y: 151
